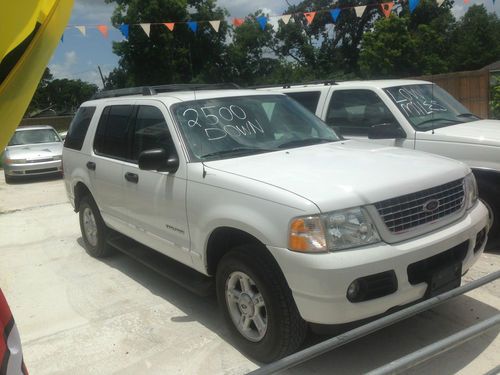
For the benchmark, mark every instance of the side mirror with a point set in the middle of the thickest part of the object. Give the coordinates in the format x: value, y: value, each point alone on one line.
x: 157, y: 160
x: 386, y: 131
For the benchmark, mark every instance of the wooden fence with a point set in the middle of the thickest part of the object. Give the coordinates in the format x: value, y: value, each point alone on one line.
x: 60, y: 123
x: 471, y: 88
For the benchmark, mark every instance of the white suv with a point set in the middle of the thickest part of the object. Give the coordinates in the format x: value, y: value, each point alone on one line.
x: 250, y: 192
x: 411, y: 114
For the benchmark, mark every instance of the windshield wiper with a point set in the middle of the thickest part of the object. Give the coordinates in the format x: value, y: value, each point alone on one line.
x: 305, y: 142
x: 467, y: 114
x: 438, y: 119
x: 236, y: 151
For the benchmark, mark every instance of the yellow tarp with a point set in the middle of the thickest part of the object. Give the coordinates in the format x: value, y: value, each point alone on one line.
x: 17, y: 21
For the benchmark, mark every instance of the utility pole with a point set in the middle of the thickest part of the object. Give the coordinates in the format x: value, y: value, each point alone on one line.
x: 102, y: 77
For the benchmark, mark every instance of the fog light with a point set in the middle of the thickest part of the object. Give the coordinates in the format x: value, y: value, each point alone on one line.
x: 353, y: 290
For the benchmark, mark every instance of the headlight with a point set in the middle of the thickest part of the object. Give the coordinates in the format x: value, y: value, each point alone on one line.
x: 15, y: 161
x: 471, y: 193
x: 336, y: 230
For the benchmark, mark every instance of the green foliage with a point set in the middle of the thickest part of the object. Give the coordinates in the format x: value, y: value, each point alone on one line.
x: 495, y: 101
x: 59, y: 95
x: 476, y: 39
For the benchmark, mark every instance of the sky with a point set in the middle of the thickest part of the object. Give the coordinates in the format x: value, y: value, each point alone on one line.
x: 78, y: 56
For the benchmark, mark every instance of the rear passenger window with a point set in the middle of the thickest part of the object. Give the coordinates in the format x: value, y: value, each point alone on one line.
x: 112, y: 132
x: 151, y: 131
x: 78, y: 128
x: 308, y: 99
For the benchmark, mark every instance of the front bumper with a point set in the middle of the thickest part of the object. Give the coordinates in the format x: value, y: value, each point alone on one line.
x: 319, y: 282
x: 33, y: 169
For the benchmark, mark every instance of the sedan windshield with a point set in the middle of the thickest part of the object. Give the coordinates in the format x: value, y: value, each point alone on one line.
x: 428, y: 106
x: 238, y: 126
x: 26, y: 137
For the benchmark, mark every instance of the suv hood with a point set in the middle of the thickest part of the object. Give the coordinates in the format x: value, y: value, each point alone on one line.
x: 34, y: 151
x: 346, y: 173
x: 485, y: 132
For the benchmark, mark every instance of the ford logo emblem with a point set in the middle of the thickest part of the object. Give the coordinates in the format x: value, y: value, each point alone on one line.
x: 431, y: 206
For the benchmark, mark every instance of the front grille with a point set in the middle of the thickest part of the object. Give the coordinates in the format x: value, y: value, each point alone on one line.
x: 412, y: 210
x: 40, y: 160
x: 45, y: 170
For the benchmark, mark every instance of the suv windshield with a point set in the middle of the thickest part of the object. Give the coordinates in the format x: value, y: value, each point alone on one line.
x: 237, y: 126
x: 428, y: 106
x: 25, y: 137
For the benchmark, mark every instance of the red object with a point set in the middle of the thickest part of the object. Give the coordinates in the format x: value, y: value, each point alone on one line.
x: 104, y: 30
x: 387, y: 8
x: 309, y: 17
x: 11, y: 355
x: 238, y: 21
x: 170, y: 25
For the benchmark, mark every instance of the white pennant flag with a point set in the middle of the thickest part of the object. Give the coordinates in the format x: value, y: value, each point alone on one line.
x: 216, y: 25
x: 146, y: 27
x: 83, y: 29
x: 286, y: 18
x: 360, y: 10
x: 440, y: 2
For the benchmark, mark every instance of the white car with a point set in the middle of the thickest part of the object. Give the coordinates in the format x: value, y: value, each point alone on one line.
x: 412, y: 114
x: 250, y: 192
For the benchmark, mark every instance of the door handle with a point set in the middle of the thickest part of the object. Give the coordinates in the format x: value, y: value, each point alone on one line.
x: 91, y: 165
x: 132, y: 177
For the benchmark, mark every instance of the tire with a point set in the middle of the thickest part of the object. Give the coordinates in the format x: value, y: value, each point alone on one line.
x: 266, y: 299
x: 491, y: 198
x: 94, y: 231
x: 8, y: 179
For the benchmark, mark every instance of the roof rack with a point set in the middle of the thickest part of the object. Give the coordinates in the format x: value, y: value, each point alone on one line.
x: 153, y: 90
x: 288, y: 85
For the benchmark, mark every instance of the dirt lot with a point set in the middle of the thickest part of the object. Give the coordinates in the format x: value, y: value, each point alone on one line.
x: 79, y: 315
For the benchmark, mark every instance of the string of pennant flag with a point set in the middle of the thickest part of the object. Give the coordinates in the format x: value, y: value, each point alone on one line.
x: 263, y: 21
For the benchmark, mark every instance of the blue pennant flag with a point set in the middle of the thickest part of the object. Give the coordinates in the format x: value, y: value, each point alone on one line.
x: 413, y: 5
x: 193, y: 26
x: 62, y: 38
x: 124, y: 30
x: 262, y: 22
x: 335, y: 14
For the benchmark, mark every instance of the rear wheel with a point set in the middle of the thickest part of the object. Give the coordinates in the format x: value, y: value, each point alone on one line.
x: 93, y: 229
x: 257, y: 304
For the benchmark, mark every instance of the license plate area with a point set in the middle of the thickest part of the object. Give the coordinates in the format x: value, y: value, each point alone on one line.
x: 444, y: 279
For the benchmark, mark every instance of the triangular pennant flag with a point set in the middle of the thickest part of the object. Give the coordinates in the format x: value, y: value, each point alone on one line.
x: 146, y: 27
x: 309, y: 17
x: 262, y: 20
x: 440, y: 2
x: 215, y: 25
x: 193, y: 26
x: 387, y: 8
x: 103, y: 30
x: 413, y: 5
x: 170, y: 25
x: 82, y: 29
x: 238, y: 21
x: 286, y: 18
x: 62, y: 38
x: 124, y: 29
x: 335, y: 14
x: 360, y: 10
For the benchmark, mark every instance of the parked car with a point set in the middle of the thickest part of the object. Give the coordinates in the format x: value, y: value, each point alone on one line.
x: 32, y: 150
x: 411, y: 114
x: 249, y: 192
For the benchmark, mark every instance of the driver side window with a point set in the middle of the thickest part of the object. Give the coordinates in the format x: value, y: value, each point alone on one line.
x: 353, y: 112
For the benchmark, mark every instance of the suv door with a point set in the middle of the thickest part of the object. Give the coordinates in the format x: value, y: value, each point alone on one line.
x: 156, y: 201
x: 111, y: 148
x: 353, y: 112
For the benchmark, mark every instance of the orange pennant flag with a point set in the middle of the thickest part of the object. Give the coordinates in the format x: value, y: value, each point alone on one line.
x: 238, y: 21
x: 309, y: 17
x: 387, y: 8
x: 170, y: 25
x: 466, y: 1
x: 104, y: 30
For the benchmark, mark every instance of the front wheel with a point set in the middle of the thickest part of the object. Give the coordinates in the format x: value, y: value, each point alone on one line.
x: 94, y: 231
x: 257, y: 304
x: 491, y: 199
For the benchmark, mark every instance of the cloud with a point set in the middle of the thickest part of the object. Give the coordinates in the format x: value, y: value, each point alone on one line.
x: 91, y: 11
x: 242, y: 8
x: 64, y: 70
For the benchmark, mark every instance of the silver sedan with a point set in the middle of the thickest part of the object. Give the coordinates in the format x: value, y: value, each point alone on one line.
x: 33, y: 150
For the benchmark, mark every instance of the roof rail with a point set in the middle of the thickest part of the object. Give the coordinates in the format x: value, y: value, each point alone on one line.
x: 153, y: 90
x: 288, y: 85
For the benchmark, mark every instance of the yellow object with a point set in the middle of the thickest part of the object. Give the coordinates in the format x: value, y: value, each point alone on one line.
x: 18, y: 20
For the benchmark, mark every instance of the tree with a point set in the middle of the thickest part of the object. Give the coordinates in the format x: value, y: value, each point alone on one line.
x: 169, y: 57
x: 476, y: 39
